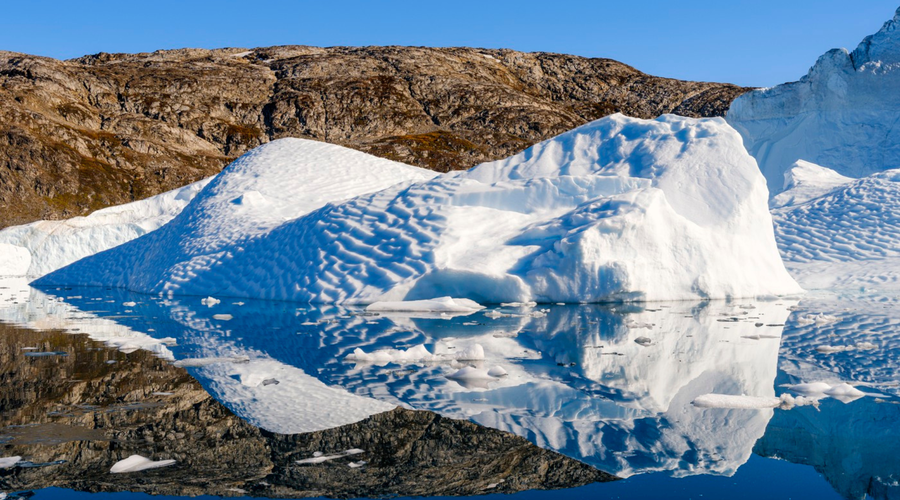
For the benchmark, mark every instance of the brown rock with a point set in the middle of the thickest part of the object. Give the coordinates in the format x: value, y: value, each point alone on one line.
x: 106, y: 129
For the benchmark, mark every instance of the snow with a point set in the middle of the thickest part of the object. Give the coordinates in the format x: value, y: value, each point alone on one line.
x: 841, y: 115
x: 136, y: 463
x: 319, y: 457
x: 441, y: 304
x: 41, y: 247
x: 7, y: 462
x: 620, y: 209
x: 804, y: 181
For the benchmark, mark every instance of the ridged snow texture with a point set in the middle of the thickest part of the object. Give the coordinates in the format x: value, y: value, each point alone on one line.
x: 857, y: 221
x: 841, y: 115
x: 618, y: 209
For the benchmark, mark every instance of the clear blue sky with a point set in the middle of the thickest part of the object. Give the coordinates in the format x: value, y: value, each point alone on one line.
x: 759, y: 43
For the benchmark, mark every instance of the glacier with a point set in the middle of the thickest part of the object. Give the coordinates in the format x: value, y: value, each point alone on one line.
x: 842, y: 115
x: 620, y: 209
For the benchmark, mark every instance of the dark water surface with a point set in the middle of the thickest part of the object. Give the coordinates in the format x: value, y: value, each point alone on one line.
x: 239, y: 391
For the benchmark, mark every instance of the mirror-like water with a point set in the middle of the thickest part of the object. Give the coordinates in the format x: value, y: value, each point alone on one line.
x: 610, y: 386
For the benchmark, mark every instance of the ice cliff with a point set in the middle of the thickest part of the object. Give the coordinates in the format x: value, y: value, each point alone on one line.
x: 841, y: 115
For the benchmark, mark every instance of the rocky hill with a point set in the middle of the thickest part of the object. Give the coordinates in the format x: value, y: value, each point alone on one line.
x: 106, y: 129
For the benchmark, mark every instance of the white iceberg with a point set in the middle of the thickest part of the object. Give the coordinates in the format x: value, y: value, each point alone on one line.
x: 41, y: 247
x: 620, y: 209
x: 841, y: 115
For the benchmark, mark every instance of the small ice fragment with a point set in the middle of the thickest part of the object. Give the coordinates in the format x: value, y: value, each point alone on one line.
x: 844, y: 391
x: 237, y: 303
x: 136, y: 463
x: 129, y: 304
x: 440, y: 305
x: 828, y: 349
x: 223, y: 317
x: 210, y: 301
x: 810, y: 388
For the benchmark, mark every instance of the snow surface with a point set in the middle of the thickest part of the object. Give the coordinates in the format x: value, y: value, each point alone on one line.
x: 38, y: 248
x: 841, y: 115
x: 804, y: 181
x: 620, y: 209
x: 137, y: 463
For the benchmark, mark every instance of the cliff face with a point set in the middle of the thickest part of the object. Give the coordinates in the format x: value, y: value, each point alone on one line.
x: 75, y: 415
x: 106, y: 129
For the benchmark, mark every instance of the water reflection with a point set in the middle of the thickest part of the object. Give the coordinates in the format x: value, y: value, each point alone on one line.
x: 608, y: 385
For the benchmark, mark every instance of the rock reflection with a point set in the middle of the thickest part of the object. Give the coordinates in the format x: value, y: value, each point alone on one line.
x: 79, y: 414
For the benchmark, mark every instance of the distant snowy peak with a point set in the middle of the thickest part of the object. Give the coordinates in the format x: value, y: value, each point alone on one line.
x: 805, y: 181
x: 841, y: 115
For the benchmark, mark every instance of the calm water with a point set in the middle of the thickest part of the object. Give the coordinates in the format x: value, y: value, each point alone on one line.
x: 237, y: 391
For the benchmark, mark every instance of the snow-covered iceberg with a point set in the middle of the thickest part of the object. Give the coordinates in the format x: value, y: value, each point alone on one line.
x: 841, y: 115
x: 41, y: 247
x: 618, y: 209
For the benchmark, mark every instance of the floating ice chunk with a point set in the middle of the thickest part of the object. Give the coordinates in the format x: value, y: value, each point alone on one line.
x: 830, y: 349
x: 419, y: 353
x: 470, y: 373
x: 127, y: 304
x: 441, y: 304
x: 7, y: 462
x: 136, y: 463
x: 197, y: 362
x: 786, y: 401
x: 385, y: 356
x: 223, y: 317
x: 210, y: 301
x: 810, y: 388
x: 817, y: 319
x: 844, y: 392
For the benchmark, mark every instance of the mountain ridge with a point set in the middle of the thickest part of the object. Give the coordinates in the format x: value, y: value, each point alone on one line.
x: 105, y: 129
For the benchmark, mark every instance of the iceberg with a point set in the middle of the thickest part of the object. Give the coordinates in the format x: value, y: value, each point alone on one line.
x: 41, y: 247
x: 620, y: 209
x: 841, y: 115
